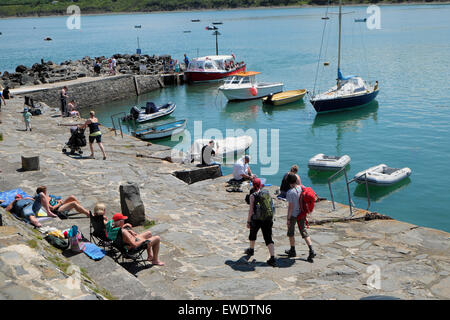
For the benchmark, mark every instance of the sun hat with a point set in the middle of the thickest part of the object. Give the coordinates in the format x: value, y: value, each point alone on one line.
x: 118, y: 216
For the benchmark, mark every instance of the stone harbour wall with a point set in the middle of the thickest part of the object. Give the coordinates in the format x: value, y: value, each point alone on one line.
x: 96, y: 90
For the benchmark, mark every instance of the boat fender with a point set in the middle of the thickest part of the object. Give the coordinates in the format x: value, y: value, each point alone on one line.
x: 253, y: 91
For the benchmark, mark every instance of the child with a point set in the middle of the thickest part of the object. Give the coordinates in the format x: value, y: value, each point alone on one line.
x: 27, y: 118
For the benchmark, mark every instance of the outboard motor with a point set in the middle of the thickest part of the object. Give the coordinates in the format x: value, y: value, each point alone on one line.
x: 269, y: 97
x: 134, y: 112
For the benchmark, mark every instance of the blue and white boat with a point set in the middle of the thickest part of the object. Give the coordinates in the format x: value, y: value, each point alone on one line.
x: 349, y: 91
x: 149, y: 112
x: 161, y: 131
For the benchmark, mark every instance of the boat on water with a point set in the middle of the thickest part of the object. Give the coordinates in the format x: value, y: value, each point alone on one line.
x: 349, y: 91
x: 285, y: 97
x: 161, y: 131
x: 244, y: 86
x: 382, y: 175
x: 149, y: 112
x: 329, y: 163
x: 195, y: 20
x: 361, y: 20
x: 217, y: 22
x: 223, y: 148
x: 211, y: 28
x: 213, y: 68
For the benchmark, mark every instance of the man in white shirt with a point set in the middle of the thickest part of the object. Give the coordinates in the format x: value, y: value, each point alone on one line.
x: 241, y: 170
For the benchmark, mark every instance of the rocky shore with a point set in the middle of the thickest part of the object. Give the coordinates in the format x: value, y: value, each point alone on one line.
x: 202, y: 227
x: 49, y: 72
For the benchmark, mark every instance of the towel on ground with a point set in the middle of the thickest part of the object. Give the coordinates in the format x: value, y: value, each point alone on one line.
x: 8, y: 196
x: 93, y: 252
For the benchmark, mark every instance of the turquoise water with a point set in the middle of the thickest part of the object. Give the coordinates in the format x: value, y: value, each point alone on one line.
x: 407, y: 125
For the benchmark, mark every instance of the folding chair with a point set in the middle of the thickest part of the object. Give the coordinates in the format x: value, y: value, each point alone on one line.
x: 134, y: 254
x: 97, y: 232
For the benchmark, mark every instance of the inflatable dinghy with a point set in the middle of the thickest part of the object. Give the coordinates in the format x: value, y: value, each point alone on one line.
x: 223, y: 148
x: 323, y: 162
x: 382, y: 175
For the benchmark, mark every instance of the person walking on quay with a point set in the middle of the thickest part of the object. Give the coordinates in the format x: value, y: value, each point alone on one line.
x: 2, y: 98
x: 63, y: 97
x: 293, y: 197
x: 94, y: 134
x: 186, y: 61
x: 284, y: 188
x: 27, y: 119
x: 260, y: 216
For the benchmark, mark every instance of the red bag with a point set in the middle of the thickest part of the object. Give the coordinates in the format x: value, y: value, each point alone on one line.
x: 307, y: 200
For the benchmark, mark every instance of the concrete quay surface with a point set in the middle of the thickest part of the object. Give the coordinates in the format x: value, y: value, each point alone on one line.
x: 203, y: 232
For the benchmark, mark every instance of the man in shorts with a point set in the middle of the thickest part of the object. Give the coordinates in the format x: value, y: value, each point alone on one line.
x: 293, y: 196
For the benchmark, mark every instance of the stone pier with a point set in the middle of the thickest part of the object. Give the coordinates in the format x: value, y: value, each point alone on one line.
x: 203, y: 232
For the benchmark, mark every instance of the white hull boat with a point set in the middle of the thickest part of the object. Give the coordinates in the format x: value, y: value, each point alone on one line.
x: 382, y: 175
x: 323, y: 162
x: 243, y: 86
x: 150, y: 112
x: 224, y: 148
x: 161, y: 131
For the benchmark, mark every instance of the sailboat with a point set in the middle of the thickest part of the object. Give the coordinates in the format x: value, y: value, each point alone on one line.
x: 349, y: 91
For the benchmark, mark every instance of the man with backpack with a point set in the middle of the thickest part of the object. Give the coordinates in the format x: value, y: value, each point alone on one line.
x: 260, y: 216
x: 297, y: 215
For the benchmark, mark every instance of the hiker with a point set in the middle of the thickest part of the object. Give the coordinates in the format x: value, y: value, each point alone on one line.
x: 206, y: 156
x: 94, y: 134
x: 293, y: 197
x: 134, y: 240
x: 260, y: 216
x: 27, y: 119
x: 22, y: 207
x: 63, y: 98
x: 60, y: 209
x: 284, y: 188
x: 241, y: 170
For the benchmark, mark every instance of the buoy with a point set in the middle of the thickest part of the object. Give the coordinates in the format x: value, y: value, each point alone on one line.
x: 253, y: 91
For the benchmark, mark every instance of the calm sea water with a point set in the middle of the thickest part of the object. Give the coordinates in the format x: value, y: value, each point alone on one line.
x: 408, y: 124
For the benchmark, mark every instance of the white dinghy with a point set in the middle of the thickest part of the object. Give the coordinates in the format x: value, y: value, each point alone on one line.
x: 382, y: 175
x: 323, y: 162
x: 223, y: 148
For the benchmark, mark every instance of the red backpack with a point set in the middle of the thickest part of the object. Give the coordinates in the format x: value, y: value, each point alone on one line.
x: 307, y: 201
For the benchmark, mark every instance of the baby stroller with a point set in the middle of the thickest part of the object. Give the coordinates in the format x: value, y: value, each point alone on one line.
x: 76, y: 141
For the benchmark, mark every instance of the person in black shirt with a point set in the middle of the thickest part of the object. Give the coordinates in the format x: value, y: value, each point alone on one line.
x: 207, y: 154
x: 284, y: 188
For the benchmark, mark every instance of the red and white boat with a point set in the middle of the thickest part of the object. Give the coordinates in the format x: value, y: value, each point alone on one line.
x: 213, y: 68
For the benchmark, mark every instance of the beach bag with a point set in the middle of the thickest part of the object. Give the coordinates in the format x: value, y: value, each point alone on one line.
x: 76, y: 240
x: 263, y: 206
x: 57, y: 242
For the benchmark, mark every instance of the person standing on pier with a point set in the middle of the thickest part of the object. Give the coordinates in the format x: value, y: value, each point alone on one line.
x: 64, y: 96
x: 27, y: 119
x: 94, y: 134
x: 284, y: 188
x: 293, y: 197
x: 186, y: 61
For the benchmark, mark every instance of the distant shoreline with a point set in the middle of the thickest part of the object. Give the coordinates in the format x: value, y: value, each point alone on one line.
x: 231, y: 9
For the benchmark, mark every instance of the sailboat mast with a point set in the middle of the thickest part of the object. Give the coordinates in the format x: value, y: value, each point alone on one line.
x: 339, y: 44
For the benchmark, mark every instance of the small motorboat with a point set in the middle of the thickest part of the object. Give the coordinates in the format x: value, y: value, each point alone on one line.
x: 213, y: 68
x: 195, y: 20
x: 187, y: 31
x: 382, y: 175
x: 323, y: 162
x: 138, y: 26
x: 150, y: 112
x: 243, y: 86
x: 48, y: 39
x: 161, y: 131
x: 224, y: 148
x: 211, y: 28
x: 284, y: 97
x: 217, y: 22
x: 361, y: 20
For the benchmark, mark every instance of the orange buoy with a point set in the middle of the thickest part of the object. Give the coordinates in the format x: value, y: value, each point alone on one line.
x: 253, y: 91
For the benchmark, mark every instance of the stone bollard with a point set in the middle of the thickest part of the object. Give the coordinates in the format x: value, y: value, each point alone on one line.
x: 131, y: 204
x: 30, y: 163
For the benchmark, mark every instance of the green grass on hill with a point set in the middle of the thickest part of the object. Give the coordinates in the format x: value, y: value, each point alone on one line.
x: 18, y: 8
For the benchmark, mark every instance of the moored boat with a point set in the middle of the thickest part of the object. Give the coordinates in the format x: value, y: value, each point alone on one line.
x: 224, y: 148
x: 285, y: 97
x: 330, y: 163
x: 213, y: 68
x: 244, y: 86
x: 161, y: 131
x: 150, y: 112
x: 382, y: 175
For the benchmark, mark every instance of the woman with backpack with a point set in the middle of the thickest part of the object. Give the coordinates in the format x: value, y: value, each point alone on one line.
x: 260, y: 216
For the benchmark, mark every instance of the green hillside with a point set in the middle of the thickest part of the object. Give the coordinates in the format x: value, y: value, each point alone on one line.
x: 49, y: 7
